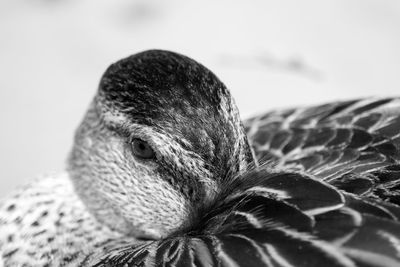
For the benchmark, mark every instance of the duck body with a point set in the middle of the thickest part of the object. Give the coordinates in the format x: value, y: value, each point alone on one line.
x: 46, y: 224
x: 323, y: 186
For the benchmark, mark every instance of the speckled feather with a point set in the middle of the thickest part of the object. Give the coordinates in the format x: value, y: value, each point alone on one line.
x: 323, y: 189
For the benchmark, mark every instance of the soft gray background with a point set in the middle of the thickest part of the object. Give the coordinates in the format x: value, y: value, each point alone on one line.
x: 269, y: 53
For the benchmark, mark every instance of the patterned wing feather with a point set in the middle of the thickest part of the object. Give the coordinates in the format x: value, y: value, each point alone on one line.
x: 353, y: 145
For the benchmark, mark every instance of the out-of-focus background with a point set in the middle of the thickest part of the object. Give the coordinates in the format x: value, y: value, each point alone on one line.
x: 269, y: 53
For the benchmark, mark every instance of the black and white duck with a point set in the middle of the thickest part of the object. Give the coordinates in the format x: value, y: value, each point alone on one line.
x: 164, y: 173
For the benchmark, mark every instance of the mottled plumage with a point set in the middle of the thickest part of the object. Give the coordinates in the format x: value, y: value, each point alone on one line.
x: 322, y: 188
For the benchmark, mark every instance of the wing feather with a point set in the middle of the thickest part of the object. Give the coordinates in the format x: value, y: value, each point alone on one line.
x: 352, y: 144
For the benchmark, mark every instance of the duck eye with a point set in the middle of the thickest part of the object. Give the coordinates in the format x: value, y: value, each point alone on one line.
x: 142, y: 149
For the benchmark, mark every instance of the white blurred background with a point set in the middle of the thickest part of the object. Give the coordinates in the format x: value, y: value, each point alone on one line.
x: 269, y: 53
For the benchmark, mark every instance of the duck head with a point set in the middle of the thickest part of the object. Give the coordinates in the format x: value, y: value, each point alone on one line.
x: 157, y: 143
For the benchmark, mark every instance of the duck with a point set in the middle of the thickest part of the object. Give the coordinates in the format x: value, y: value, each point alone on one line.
x: 163, y: 172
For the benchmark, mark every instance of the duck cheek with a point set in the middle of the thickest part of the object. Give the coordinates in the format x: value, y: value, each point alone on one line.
x: 155, y: 208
